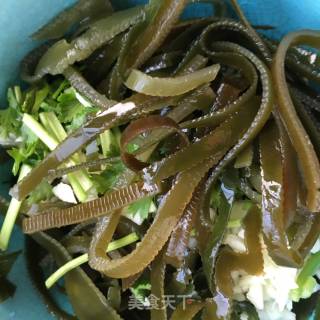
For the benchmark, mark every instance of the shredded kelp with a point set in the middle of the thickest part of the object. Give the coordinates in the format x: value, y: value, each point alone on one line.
x: 159, y: 158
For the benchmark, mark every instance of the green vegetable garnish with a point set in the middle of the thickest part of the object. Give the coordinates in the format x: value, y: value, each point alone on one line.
x: 305, y: 280
x: 184, y: 135
x: 131, y: 238
x: 12, y: 213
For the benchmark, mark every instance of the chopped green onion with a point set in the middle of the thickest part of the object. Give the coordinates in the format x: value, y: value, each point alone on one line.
x: 117, y: 136
x: 12, y: 214
x: 129, y: 239
x: 305, y: 279
x: 309, y: 269
x: 39, y: 131
x: 52, y: 123
x: 18, y: 94
x: 52, y: 143
x: 40, y: 96
x: 106, y: 142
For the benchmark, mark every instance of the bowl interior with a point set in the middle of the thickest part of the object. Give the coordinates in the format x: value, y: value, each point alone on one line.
x: 20, y: 18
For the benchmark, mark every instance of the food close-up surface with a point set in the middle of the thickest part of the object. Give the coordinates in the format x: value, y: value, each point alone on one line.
x: 160, y: 160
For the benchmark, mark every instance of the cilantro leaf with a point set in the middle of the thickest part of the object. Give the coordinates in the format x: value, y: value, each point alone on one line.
x: 12, y: 100
x: 42, y: 192
x: 30, y: 151
x: 58, y: 86
x: 106, y: 180
x: 40, y: 96
x: 139, y: 211
x: 10, y: 120
x: 49, y: 105
x: 71, y: 111
x: 10, y: 124
x: 76, y: 116
x: 69, y: 106
x: 20, y: 155
x: 132, y: 147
